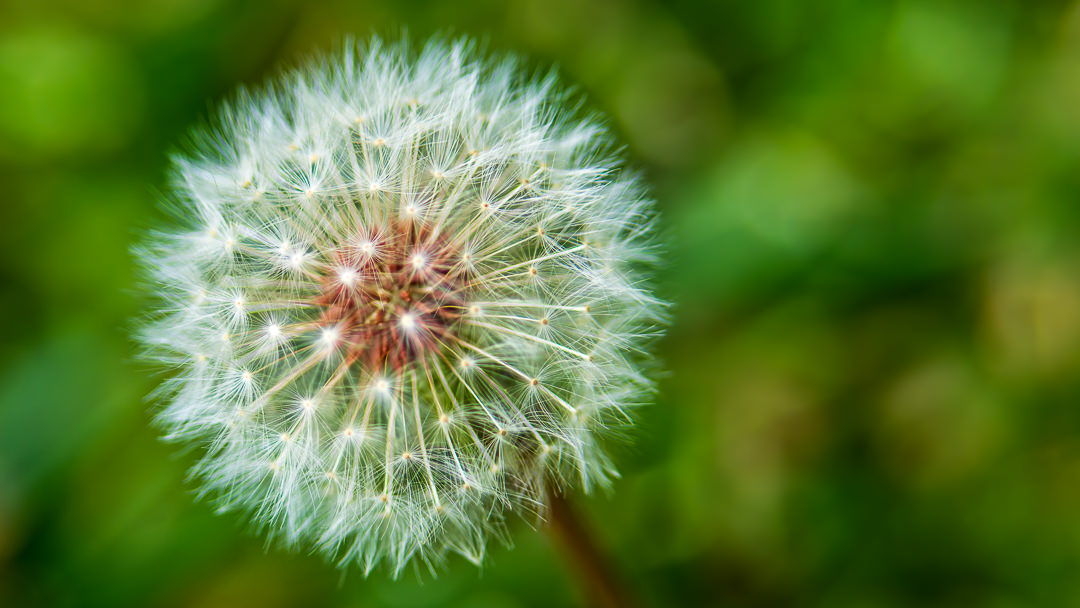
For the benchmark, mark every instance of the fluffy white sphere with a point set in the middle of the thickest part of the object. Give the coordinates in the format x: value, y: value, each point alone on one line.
x: 406, y: 294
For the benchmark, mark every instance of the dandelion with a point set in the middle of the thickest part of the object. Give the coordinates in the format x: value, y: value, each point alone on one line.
x: 407, y: 295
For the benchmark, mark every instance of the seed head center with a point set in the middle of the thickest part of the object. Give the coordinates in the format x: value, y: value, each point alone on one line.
x: 388, y: 309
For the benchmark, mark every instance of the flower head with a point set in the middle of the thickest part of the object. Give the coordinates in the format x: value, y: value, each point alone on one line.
x: 406, y: 296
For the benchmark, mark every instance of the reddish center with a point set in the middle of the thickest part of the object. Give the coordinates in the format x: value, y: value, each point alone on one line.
x: 393, y: 296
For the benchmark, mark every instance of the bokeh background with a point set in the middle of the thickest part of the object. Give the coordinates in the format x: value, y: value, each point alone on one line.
x: 873, y: 217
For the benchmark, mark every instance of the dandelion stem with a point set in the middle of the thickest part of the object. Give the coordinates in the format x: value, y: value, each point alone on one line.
x: 594, y: 572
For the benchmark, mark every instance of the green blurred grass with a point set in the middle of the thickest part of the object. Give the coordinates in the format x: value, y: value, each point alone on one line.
x: 872, y: 218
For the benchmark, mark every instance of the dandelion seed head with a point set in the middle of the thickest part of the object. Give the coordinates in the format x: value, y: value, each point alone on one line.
x: 406, y: 293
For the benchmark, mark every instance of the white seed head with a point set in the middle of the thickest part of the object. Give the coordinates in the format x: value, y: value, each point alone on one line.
x: 407, y: 293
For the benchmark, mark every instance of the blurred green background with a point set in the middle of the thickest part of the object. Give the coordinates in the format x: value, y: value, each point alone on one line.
x: 873, y: 218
